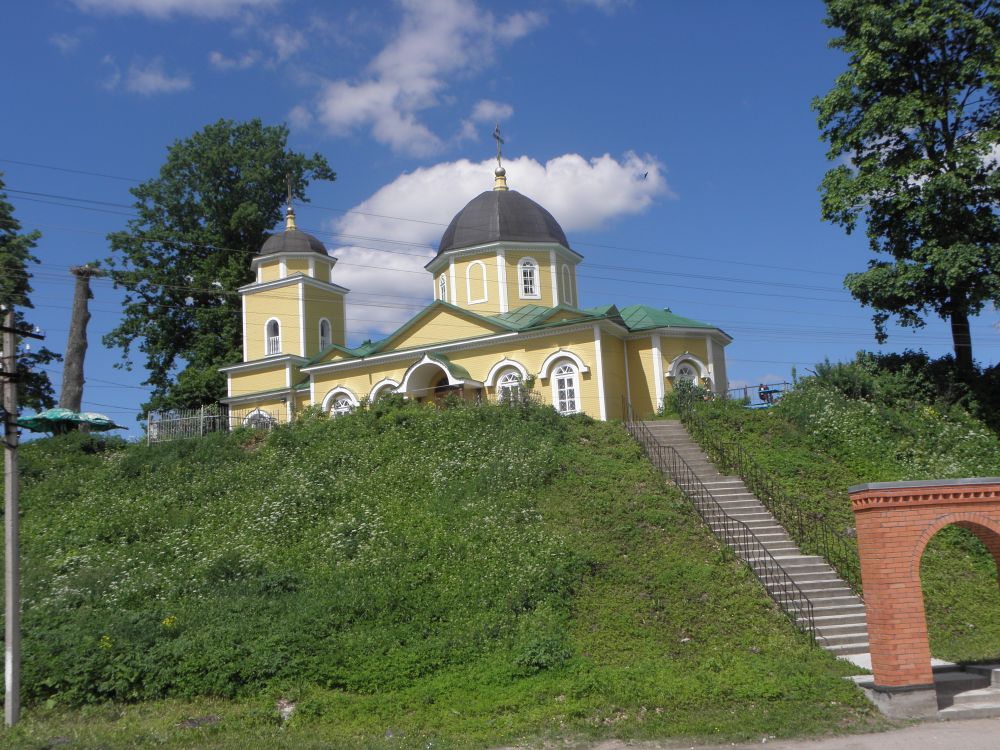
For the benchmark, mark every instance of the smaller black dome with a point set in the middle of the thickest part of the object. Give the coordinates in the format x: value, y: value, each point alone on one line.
x: 501, y: 215
x: 292, y: 241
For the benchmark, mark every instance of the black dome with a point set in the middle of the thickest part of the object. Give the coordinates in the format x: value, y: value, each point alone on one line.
x: 501, y: 215
x: 292, y: 241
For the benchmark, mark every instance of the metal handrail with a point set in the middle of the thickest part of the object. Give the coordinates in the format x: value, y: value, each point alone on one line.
x: 736, y: 534
x: 812, y: 534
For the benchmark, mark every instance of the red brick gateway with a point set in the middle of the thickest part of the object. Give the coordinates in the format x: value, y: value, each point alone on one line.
x: 895, y: 521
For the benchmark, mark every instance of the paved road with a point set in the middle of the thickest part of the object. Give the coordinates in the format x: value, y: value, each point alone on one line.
x: 972, y: 734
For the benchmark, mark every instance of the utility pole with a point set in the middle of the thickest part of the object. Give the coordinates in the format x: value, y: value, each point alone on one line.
x: 11, y: 521
x: 12, y: 547
x: 71, y: 393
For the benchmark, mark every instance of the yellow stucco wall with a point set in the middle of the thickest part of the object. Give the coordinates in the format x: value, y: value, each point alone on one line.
x: 613, y: 358
x: 642, y: 382
x: 319, y: 304
x: 297, y: 265
x: 281, y: 304
x: 441, y: 325
x: 514, y: 299
x: 268, y: 379
x: 269, y: 270
x: 466, y: 282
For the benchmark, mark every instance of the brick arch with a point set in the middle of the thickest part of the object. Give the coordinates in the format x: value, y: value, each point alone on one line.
x: 982, y: 526
x: 895, y: 522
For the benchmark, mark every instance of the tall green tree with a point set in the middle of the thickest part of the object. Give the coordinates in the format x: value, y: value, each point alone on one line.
x: 34, y: 388
x: 188, y: 250
x: 915, y: 123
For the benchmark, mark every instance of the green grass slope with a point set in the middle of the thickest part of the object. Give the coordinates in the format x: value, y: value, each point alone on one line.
x: 408, y: 577
x: 851, y: 427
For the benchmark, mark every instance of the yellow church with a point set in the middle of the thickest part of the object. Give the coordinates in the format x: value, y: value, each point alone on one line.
x: 506, y: 320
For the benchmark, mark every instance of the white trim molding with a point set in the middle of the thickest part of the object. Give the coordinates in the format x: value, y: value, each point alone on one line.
x: 383, y: 383
x: 657, y: 372
x: 567, y: 286
x: 451, y: 281
x: 599, y: 368
x: 537, y: 275
x: 502, y: 277
x: 555, y: 357
x: 680, y: 359
x: 555, y: 279
x: 429, y: 360
x: 302, y: 320
x: 505, y: 364
x: 711, y: 359
x: 339, y: 390
x: 468, y: 283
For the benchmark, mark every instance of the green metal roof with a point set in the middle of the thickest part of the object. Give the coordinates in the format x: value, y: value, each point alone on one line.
x: 640, y: 317
x: 457, y: 371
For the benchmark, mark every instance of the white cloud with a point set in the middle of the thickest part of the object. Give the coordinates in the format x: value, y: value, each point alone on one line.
x: 242, y: 62
x: 286, y: 41
x: 152, y: 79
x: 437, y: 39
x: 300, y: 117
x: 608, y: 6
x: 167, y: 8
x: 384, y: 256
x: 485, y: 111
x: 65, y: 43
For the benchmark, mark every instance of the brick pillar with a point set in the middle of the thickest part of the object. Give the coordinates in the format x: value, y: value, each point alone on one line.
x: 894, y: 522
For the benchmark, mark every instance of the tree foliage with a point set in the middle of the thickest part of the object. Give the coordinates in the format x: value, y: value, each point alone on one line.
x: 34, y: 386
x: 915, y: 123
x: 186, y: 253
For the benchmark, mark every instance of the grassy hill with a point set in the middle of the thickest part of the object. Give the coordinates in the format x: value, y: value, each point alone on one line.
x: 877, y: 421
x: 407, y: 577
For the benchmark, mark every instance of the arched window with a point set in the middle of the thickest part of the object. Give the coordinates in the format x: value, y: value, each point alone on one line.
x: 442, y: 289
x: 259, y: 420
x: 272, y: 337
x: 475, y: 282
x: 566, y: 389
x: 686, y: 371
x: 528, y: 277
x: 567, y: 290
x: 340, y: 406
x: 325, y: 334
x: 382, y: 389
x: 510, y: 389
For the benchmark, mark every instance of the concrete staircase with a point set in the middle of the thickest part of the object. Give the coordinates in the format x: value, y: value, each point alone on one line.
x: 972, y: 692
x: 838, y: 614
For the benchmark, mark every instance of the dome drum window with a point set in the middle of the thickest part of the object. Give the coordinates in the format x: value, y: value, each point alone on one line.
x: 528, y: 279
x: 443, y: 289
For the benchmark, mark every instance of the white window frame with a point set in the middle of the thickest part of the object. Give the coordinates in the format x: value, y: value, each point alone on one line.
x: 522, y: 266
x: 468, y: 283
x: 340, y: 406
x: 510, y: 387
x: 686, y: 370
x: 268, y: 337
x: 258, y: 419
x: 566, y: 388
x: 338, y: 394
x: 325, y: 342
x: 567, y: 291
x: 443, y: 288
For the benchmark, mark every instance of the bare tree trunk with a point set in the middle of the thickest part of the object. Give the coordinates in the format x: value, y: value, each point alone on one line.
x: 71, y: 394
x: 961, y: 338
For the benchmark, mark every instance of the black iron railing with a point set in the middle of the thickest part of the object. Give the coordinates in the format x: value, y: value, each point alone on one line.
x: 736, y: 534
x: 814, y: 535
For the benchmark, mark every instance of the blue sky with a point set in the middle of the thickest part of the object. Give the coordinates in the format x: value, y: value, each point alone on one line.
x: 711, y: 101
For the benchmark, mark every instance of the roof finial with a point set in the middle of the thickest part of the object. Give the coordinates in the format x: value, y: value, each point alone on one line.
x: 289, y: 211
x: 500, y: 174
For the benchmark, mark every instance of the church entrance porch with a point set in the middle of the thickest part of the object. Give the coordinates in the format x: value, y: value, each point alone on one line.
x: 434, y: 377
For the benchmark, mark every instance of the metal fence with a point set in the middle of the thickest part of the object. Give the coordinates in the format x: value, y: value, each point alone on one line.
x: 759, y: 396
x: 811, y: 532
x: 180, y: 424
x: 736, y: 534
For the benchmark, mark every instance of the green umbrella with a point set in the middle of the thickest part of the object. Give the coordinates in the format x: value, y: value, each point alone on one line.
x: 59, y: 421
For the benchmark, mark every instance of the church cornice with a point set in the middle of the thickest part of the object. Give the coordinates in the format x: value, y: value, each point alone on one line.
x: 491, y: 248
x: 266, y: 363
x: 294, y: 278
